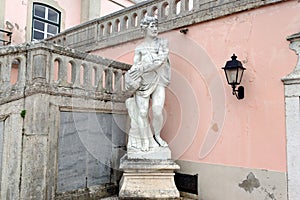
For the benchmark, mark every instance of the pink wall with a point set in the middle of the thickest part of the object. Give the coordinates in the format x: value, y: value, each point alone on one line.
x: 204, y: 121
x: 72, y: 12
x: 16, y: 15
x: 15, y: 19
x: 108, y: 7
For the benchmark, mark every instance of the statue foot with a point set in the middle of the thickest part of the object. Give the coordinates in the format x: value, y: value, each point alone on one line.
x: 153, y: 143
x: 145, y: 146
x: 160, y: 141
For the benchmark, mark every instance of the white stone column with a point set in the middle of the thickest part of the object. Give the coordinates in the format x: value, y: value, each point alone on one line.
x: 292, y: 109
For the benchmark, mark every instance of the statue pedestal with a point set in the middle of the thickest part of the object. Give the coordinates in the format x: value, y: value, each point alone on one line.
x: 148, y: 179
x: 159, y: 153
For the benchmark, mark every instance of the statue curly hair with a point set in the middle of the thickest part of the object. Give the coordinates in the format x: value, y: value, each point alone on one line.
x: 147, y: 20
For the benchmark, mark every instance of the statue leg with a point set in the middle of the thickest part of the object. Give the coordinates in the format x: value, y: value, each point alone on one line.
x: 134, y: 138
x: 143, y: 122
x: 158, y: 100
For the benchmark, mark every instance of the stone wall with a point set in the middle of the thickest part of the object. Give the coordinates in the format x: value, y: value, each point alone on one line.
x: 228, y: 182
x: 123, y: 26
x: 53, y: 84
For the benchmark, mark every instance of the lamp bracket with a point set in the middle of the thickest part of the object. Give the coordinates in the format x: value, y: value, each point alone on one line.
x: 239, y: 93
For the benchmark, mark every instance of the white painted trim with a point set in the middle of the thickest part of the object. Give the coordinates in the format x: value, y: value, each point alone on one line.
x: 51, y: 3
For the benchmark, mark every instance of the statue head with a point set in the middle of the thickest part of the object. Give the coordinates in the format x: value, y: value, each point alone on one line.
x: 147, y: 21
x: 149, y: 26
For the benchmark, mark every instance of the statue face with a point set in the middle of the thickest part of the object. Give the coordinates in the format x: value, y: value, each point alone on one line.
x: 152, y: 30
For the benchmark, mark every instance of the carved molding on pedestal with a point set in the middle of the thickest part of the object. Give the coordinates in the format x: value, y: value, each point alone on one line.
x: 148, y: 179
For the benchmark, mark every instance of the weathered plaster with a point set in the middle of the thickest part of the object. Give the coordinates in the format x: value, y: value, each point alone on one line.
x: 226, y: 182
x: 12, y: 157
x: 250, y: 183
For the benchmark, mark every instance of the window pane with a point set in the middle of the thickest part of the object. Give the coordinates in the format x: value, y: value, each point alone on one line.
x: 39, y: 25
x: 52, y: 29
x: 52, y: 15
x: 49, y: 35
x: 45, y: 22
x: 38, y: 35
x: 39, y: 11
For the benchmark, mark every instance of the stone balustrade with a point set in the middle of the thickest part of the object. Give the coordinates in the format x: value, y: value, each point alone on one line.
x: 46, y: 68
x: 123, y: 26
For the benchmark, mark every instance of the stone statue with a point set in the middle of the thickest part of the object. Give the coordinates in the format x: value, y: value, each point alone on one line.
x: 147, y: 79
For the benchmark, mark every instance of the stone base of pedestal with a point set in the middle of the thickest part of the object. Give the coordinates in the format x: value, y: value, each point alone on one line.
x: 148, y: 179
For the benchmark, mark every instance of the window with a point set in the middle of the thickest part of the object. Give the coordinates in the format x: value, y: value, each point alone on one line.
x: 45, y: 22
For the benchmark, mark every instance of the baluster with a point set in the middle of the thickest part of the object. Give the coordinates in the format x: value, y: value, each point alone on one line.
x: 22, y: 72
x: 173, y: 7
x: 87, y: 76
x: 196, y: 4
x: 63, y: 72
x: 75, y: 73
x: 3, y: 63
x: 39, y: 67
x: 123, y: 81
x: 184, y: 6
x: 118, y: 81
x: 108, y: 80
x: 100, y: 77
x: 1, y: 72
x: 6, y: 72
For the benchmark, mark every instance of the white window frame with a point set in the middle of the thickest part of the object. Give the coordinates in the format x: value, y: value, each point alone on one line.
x: 45, y: 21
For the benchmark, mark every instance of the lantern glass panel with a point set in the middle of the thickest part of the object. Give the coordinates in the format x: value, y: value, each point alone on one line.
x: 239, y: 75
x: 231, y: 75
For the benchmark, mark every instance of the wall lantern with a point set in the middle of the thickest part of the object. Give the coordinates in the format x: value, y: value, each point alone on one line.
x: 234, y: 72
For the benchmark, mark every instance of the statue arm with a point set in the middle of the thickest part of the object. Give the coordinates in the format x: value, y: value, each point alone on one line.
x: 136, y: 70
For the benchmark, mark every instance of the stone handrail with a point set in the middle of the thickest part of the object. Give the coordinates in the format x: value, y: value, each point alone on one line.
x: 46, y: 68
x: 123, y: 26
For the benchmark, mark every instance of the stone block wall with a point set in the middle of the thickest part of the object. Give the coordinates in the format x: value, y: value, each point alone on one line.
x: 60, y: 137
